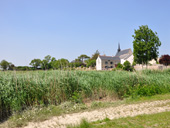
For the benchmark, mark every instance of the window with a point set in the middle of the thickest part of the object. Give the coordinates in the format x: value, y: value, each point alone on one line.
x: 106, y: 62
x: 111, y: 62
x: 111, y: 67
x: 106, y: 67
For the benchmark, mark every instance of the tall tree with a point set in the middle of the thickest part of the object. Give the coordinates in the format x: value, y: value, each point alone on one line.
x: 11, y: 66
x: 53, y: 62
x: 165, y: 60
x: 145, y: 45
x: 60, y: 64
x: 4, y: 64
x: 83, y: 57
x: 92, y: 61
x: 35, y: 63
x: 45, y: 63
x: 95, y: 55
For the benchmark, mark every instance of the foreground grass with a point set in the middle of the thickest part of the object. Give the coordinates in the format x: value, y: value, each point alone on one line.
x: 38, y: 114
x: 159, y: 120
x: 22, y: 90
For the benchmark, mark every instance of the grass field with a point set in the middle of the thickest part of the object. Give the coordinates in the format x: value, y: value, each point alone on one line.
x: 159, y: 120
x: 21, y: 90
x: 40, y: 114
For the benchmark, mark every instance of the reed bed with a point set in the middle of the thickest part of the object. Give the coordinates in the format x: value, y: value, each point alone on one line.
x: 20, y: 90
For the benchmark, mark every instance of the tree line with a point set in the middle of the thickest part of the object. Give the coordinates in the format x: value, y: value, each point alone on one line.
x: 50, y: 62
x: 145, y: 48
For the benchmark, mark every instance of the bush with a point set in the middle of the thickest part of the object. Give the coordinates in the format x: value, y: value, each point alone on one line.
x: 119, y: 66
x: 127, y: 66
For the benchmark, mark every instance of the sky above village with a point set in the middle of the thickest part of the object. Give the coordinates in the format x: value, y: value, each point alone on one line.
x: 68, y: 28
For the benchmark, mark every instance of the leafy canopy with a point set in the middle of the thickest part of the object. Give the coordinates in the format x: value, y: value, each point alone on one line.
x: 127, y: 66
x: 60, y: 64
x: 45, y: 63
x: 4, y: 64
x: 92, y: 61
x: 83, y: 57
x: 145, y: 45
x: 165, y: 60
x: 35, y: 63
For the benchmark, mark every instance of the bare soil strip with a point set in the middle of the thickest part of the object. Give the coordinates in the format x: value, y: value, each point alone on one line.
x: 100, y: 114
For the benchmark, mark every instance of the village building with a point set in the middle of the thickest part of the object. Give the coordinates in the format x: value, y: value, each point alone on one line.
x: 109, y: 62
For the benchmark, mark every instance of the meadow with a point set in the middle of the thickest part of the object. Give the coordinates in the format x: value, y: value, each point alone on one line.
x: 20, y: 90
x: 158, y: 120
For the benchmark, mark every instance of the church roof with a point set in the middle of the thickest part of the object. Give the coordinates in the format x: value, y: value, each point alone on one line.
x: 125, y: 56
x: 124, y: 52
x: 109, y: 58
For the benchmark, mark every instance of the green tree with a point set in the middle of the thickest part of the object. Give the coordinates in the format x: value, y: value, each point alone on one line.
x: 95, y: 55
x: 4, y: 64
x: 76, y: 63
x: 83, y: 57
x: 11, y: 66
x: 35, y: 63
x: 91, y: 63
x: 53, y: 59
x: 60, y: 64
x: 145, y: 45
x: 45, y: 63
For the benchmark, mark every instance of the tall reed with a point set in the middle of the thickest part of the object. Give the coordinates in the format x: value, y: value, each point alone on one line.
x: 19, y: 90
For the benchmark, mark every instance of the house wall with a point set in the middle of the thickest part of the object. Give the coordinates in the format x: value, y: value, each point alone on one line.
x: 108, y: 64
x: 122, y: 61
x: 98, y: 64
x: 130, y: 59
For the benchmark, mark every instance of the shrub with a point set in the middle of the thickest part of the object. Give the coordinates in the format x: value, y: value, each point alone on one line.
x: 119, y: 66
x: 127, y: 66
x: 165, y: 60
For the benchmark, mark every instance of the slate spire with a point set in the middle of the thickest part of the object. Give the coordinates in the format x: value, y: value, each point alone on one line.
x: 118, y: 50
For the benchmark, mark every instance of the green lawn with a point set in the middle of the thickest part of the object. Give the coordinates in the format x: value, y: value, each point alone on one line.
x: 160, y: 120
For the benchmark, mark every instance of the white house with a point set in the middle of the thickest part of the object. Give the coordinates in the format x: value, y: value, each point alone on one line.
x: 109, y: 62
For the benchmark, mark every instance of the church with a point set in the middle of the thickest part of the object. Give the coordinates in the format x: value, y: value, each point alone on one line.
x: 110, y: 62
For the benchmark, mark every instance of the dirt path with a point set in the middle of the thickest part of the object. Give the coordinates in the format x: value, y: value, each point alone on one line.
x: 111, y: 113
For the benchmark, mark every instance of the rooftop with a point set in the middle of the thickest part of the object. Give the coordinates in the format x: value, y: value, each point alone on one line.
x: 109, y: 57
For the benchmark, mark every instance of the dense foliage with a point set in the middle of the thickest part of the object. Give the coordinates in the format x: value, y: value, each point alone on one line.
x: 145, y: 45
x: 35, y: 63
x: 19, y: 90
x: 119, y: 66
x: 165, y: 60
x: 127, y: 66
x: 5, y: 65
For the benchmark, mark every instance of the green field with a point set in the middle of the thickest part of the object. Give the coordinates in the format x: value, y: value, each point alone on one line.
x: 20, y: 90
x: 159, y: 120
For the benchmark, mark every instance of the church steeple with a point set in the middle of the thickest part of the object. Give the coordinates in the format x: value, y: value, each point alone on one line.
x: 118, y: 50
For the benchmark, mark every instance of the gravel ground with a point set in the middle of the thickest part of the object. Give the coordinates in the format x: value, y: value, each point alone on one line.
x: 100, y: 114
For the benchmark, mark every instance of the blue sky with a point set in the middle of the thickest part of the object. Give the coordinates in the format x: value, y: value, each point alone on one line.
x: 67, y: 28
